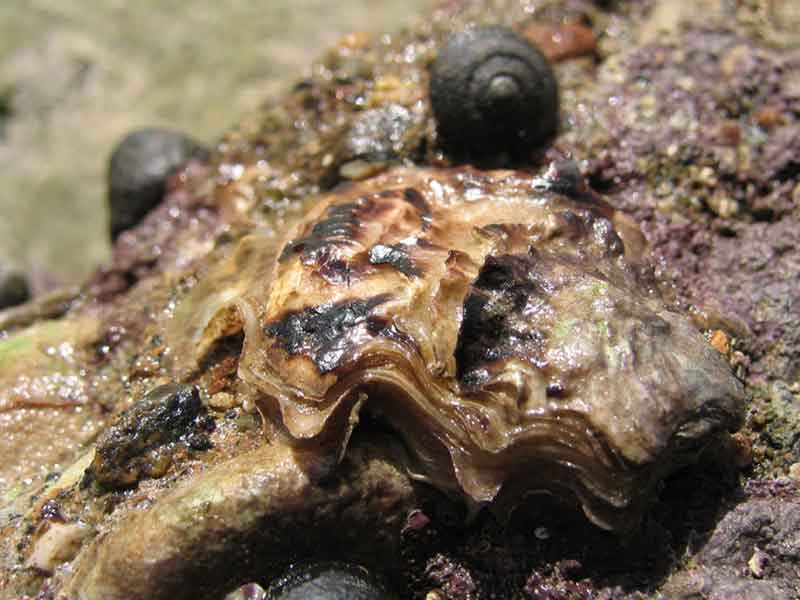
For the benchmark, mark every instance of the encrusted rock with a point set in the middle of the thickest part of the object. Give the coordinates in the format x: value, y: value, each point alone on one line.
x: 375, y: 137
x: 754, y: 552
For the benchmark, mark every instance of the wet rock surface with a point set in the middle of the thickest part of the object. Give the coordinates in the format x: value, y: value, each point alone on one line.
x: 690, y: 128
x: 719, y: 584
x: 764, y: 296
x: 715, y: 183
x: 375, y: 139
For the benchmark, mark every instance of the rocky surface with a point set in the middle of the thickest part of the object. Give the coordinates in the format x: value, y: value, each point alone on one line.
x: 688, y: 126
x: 751, y: 553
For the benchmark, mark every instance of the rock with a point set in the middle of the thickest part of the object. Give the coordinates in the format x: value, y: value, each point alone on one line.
x: 258, y: 510
x: 57, y: 543
x: 455, y: 581
x: 763, y: 257
x: 772, y: 527
x: 722, y: 584
x: 754, y: 553
x: 376, y: 135
x: 782, y: 154
x: 561, y: 42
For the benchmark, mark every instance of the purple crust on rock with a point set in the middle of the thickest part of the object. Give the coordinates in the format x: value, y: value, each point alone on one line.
x: 711, y: 179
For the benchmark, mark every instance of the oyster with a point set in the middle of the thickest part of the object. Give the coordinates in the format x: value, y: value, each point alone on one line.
x: 507, y: 327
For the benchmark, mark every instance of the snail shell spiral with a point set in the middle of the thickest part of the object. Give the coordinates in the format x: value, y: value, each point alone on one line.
x: 492, y: 91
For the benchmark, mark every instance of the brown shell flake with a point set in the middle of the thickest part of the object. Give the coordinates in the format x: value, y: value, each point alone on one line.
x: 506, y: 327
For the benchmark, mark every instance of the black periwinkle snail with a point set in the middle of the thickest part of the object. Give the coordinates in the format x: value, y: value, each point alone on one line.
x: 328, y: 581
x: 492, y: 91
x: 138, y: 171
x: 14, y: 287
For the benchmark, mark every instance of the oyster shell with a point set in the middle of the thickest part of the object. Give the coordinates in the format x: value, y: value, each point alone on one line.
x: 507, y: 327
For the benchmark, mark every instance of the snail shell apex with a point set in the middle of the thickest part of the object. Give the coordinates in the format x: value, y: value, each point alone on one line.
x: 492, y: 91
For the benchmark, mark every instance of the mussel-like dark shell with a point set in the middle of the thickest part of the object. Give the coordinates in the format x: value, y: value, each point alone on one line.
x: 493, y: 91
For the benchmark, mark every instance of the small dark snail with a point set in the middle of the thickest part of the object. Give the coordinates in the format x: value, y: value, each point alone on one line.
x: 14, y: 288
x: 492, y: 91
x: 138, y: 170
x: 328, y: 581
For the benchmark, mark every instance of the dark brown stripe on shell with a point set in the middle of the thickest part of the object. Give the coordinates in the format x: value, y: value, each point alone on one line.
x: 417, y: 200
x: 340, y: 223
x: 325, y: 333
x: 494, y: 325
